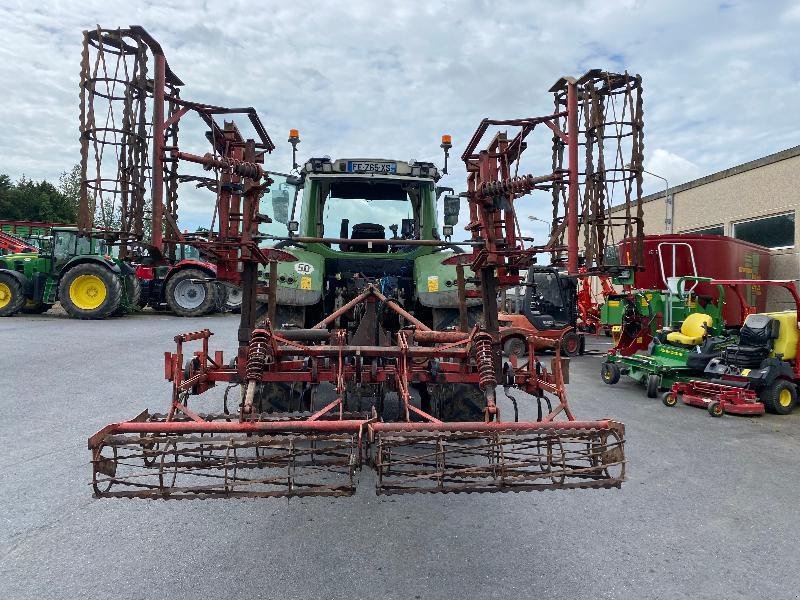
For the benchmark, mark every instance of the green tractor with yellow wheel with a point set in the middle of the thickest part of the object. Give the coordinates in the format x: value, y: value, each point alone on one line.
x: 78, y: 271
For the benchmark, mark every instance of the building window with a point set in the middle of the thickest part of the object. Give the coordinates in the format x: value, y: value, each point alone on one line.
x: 713, y: 230
x: 773, y: 232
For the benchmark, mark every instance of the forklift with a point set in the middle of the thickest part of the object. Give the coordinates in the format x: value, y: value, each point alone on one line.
x: 548, y: 311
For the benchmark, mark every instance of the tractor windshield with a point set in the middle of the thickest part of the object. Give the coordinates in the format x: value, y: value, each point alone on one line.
x: 370, y: 210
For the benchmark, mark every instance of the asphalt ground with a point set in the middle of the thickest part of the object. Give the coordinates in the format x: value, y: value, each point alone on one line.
x: 709, y: 510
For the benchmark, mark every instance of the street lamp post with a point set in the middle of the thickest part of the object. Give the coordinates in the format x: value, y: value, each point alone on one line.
x: 669, y: 201
x: 669, y: 204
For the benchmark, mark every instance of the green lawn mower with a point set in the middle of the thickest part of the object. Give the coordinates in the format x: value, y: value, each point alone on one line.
x: 675, y: 354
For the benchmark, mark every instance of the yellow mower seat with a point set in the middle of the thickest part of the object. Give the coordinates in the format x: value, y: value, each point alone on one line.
x: 692, y: 330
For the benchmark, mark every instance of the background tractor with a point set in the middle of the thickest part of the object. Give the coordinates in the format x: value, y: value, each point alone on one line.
x: 78, y: 270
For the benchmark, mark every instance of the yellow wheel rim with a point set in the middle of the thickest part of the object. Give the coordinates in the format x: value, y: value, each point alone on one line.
x: 87, y: 292
x: 5, y: 295
x: 785, y: 398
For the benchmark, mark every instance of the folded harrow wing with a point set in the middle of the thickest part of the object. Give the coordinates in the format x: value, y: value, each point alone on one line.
x: 373, y: 383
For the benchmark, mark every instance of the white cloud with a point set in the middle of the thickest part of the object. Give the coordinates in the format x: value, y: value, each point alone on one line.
x: 675, y: 169
x: 377, y: 79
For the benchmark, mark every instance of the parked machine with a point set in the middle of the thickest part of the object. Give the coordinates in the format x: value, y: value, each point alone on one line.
x: 548, y: 312
x: 176, y: 271
x: 760, y: 372
x: 385, y: 379
x: 678, y: 352
x: 78, y: 271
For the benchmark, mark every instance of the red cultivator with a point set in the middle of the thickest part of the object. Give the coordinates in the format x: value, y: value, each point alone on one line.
x: 317, y: 448
x: 313, y: 405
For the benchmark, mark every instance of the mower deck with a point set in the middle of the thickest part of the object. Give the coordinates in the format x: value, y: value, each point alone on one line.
x: 716, y: 398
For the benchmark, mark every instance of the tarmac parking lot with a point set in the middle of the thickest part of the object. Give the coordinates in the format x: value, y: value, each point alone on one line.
x: 709, y: 510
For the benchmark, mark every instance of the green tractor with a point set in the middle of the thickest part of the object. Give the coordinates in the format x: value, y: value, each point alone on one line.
x: 76, y: 270
x: 355, y: 216
x: 363, y: 224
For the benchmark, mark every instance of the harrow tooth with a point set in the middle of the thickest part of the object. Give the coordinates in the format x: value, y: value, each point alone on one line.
x: 499, y: 461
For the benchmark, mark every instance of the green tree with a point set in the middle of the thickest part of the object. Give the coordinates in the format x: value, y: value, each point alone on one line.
x: 27, y: 200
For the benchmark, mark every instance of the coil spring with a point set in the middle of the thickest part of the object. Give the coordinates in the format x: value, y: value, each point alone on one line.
x: 257, y: 353
x: 522, y: 184
x: 240, y: 167
x: 483, y: 358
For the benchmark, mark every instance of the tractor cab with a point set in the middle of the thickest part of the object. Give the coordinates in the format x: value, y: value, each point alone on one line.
x: 69, y: 243
x: 345, y: 224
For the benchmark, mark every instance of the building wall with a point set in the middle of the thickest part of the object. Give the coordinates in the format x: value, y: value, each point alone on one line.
x: 762, y: 188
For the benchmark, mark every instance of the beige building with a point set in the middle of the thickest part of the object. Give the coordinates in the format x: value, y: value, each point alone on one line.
x: 756, y: 201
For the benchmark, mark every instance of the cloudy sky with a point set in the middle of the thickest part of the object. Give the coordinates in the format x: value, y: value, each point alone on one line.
x: 359, y: 78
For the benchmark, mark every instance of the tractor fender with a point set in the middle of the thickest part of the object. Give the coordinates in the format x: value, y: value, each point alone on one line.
x: 209, y: 268
x: 80, y: 260
x: 23, y: 281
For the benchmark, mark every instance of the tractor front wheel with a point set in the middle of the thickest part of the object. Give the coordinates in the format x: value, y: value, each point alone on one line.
x: 780, y: 398
x: 190, y: 293
x: 90, y: 291
x: 11, y: 296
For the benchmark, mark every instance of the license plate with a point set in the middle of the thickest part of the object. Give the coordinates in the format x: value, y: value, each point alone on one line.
x: 357, y: 166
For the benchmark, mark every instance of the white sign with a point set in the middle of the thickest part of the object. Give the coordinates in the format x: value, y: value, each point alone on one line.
x: 303, y: 268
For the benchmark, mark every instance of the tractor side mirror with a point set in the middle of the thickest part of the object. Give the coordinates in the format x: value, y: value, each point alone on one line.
x: 452, y: 206
x: 280, y: 205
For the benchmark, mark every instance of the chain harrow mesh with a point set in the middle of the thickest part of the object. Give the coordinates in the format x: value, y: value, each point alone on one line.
x: 502, y: 461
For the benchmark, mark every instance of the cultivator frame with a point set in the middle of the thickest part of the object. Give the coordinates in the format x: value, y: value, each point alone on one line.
x: 317, y: 446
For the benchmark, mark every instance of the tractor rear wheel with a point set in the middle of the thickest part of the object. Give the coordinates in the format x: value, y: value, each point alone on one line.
x: 457, y: 402
x: 189, y: 293
x: 780, y: 398
x: 11, y: 296
x: 90, y: 291
x: 133, y: 295
x: 229, y: 298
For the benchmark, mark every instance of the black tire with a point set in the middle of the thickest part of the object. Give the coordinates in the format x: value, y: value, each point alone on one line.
x: 515, y: 346
x: 232, y: 300
x: 714, y: 408
x: 30, y: 307
x: 780, y: 398
x: 391, y: 407
x: 669, y: 398
x: 187, y: 299
x: 653, y: 385
x: 11, y: 296
x: 609, y: 373
x: 571, y: 344
x: 109, y: 304
x: 457, y: 402
x: 133, y: 295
